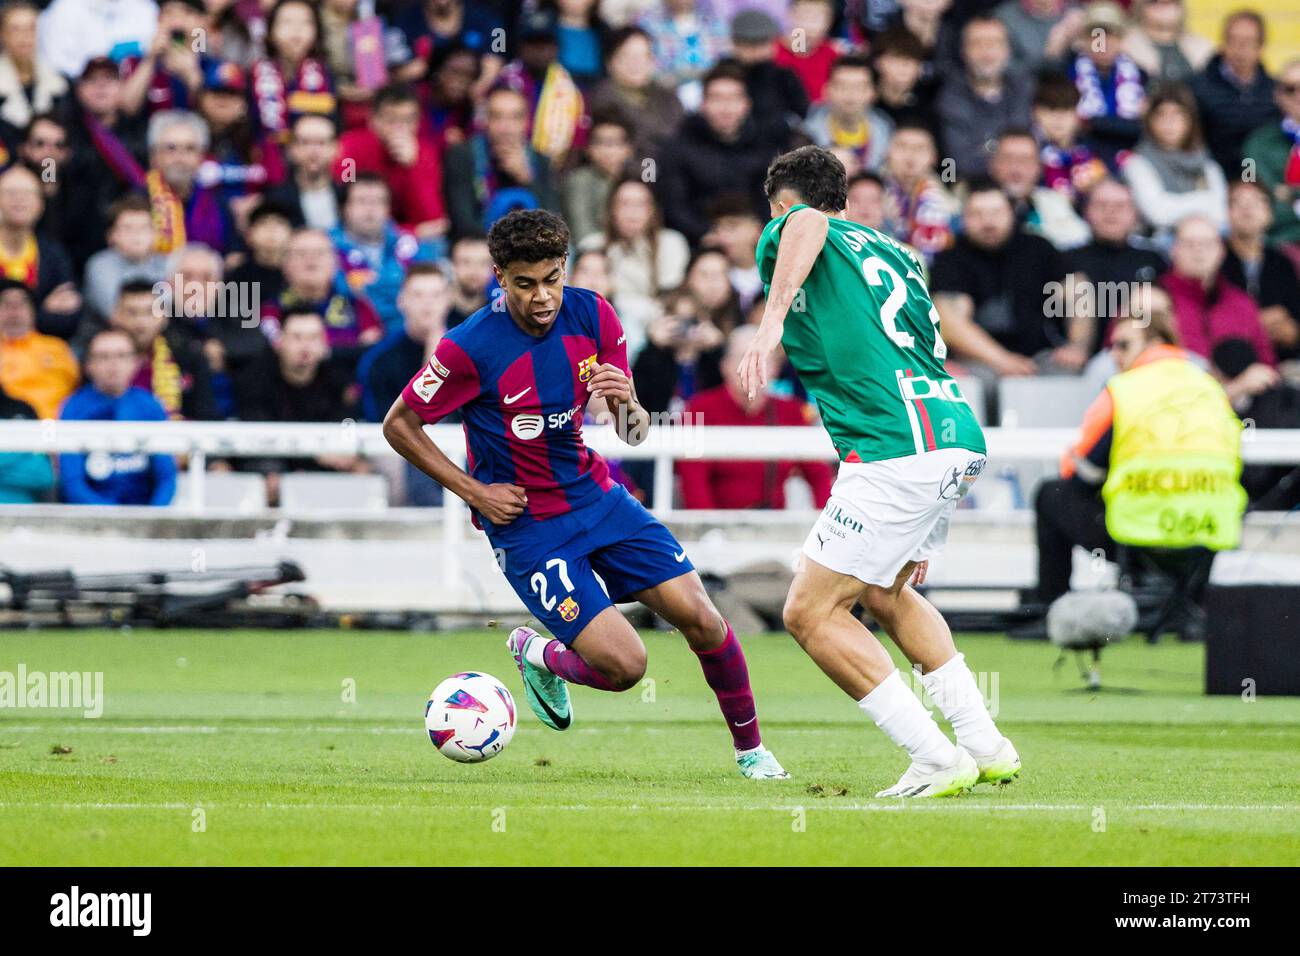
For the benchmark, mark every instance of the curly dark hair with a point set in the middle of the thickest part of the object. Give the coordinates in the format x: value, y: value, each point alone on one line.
x: 528, y: 235
x: 816, y: 174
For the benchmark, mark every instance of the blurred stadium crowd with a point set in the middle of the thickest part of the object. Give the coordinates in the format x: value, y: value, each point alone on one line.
x: 238, y: 209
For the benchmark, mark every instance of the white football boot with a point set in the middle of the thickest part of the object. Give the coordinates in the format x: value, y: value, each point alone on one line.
x: 944, y: 782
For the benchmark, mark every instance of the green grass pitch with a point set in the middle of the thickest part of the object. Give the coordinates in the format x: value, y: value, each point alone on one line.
x: 240, y: 748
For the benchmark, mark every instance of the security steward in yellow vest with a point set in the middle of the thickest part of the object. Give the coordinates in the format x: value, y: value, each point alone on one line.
x: 1163, y: 443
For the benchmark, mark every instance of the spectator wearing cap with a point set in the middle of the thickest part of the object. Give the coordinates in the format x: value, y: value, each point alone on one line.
x: 720, y: 149
x: 1170, y: 171
x: 983, y: 99
x: 557, y: 109
x: 169, y: 74
x: 1275, y: 148
x: 739, y: 485
x: 1159, y: 41
x: 37, y: 261
x: 392, y: 147
x: 688, y: 39
x: 28, y: 84
x: 848, y: 120
x: 114, y: 478
x: 496, y: 170
x: 26, y: 477
x: 34, y: 368
x: 313, y: 283
x: 634, y: 90
x: 1264, y: 271
x: 1112, y: 88
x: 130, y: 255
x: 1208, y: 308
x: 807, y: 48
x: 1234, y: 91
x: 310, y: 191
x: 776, y: 95
x: 293, y: 77
x: 374, y: 252
x: 242, y: 163
x: 106, y: 145
x: 183, y: 208
x: 1041, y: 31
x: 70, y: 33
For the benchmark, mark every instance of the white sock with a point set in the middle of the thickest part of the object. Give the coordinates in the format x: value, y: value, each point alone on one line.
x: 952, y: 687
x: 899, y: 713
x: 535, y: 654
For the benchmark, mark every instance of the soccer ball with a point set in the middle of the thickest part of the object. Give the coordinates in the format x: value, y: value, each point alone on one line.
x: 470, y: 717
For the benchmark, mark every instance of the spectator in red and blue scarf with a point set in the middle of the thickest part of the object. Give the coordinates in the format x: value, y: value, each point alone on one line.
x: 374, y: 251
x: 242, y: 163
x: 292, y: 78
x: 1112, y: 88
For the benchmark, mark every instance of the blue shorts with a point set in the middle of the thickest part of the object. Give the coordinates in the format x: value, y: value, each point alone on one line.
x: 554, y: 568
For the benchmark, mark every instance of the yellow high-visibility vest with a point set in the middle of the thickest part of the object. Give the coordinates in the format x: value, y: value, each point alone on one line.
x: 1175, y: 459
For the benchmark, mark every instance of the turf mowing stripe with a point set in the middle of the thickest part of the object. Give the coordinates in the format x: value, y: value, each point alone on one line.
x: 904, y: 807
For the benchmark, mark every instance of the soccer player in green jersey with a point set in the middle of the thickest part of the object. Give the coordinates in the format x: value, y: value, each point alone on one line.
x: 850, y: 307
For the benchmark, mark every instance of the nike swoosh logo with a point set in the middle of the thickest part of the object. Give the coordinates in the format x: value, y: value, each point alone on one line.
x: 746, y: 723
x: 561, y: 722
x: 511, y: 399
x: 680, y: 556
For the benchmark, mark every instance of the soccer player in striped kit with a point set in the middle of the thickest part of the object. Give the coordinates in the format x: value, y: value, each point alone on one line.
x: 521, y: 371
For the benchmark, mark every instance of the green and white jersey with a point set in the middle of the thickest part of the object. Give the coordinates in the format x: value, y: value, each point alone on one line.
x: 864, y: 337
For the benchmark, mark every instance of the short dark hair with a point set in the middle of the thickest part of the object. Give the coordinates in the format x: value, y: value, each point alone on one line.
x: 295, y: 311
x: 730, y: 206
x: 853, y: 61
x: 9, y: 285
x: 366, y: 179
x: 136, y: 285
x: 1016, y: 132
x: 266, y: 209
x: 131, y: 202
x: 725, y: 69
x: 899, y: 41
x: 816, y: 174
x: 984, y: 184
x: 1056, y: 91
x: 865, y: 176
x: 417, y: 269
x: 620, y: 36
x: 528, y: 235
x: 394, y: 94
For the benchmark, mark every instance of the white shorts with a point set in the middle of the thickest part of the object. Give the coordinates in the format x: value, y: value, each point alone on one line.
x: 883, y: 514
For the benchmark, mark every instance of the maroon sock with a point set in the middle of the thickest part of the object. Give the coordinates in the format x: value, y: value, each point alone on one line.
x: 569, y: 664
x: 726, y: 672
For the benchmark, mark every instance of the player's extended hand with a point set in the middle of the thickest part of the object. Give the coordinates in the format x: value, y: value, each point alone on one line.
x: 918, y: 573
x: 756, y: 362
x: 610, y: 382
x: 501, y: 503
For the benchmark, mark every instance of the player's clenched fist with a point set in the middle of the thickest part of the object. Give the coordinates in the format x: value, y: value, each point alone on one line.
x: 610, y: 382
x: 500, y: 503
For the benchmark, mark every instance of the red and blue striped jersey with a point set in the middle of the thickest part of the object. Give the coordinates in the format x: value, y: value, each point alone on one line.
x: 522, y: 399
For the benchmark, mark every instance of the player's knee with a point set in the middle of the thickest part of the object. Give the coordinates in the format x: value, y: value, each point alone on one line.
x: 798, y: 617
x: 626, y: 670
x: 703, y: 629
x: 880, y: 602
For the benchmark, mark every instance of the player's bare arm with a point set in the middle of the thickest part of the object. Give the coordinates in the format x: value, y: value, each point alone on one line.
x: 801, y: 242
x: 631, y: 421
x: 498, y: 503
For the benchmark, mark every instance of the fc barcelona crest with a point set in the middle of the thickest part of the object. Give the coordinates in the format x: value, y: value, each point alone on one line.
x: 586, y: 368
x: 568, y: 609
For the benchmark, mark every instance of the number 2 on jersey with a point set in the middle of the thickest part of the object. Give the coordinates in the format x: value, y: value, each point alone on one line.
x: 873, y: 270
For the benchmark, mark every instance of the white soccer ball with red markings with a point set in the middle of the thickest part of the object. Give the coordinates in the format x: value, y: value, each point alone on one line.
x: 470, y: 717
